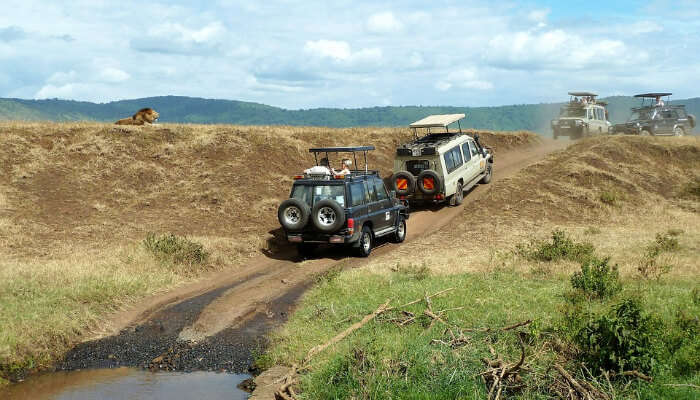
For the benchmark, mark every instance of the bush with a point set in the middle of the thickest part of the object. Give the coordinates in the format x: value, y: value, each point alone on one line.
x: 650, y: 267
x: 561, y: 247
x: 176, y: 249
x: 609, y: 197
x: 597, y: 279
x: 623, y: 339
x: 683, y: 340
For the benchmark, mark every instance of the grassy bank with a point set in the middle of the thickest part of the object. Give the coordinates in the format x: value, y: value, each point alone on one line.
x: 77, y: 201
x: 598, y: 245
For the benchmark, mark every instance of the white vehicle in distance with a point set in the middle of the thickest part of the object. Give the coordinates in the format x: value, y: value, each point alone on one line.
x: 440, y: 164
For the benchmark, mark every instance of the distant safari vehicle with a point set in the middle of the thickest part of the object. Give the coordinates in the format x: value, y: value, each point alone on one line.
x: 347, y: 207
x: 440, y: 165
x: 657, y: 118
x: 582, y: 116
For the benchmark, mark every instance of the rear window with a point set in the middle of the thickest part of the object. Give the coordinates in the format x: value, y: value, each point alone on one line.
x: 453, y: 159
x: 312, y: 194
x: 417, y: 166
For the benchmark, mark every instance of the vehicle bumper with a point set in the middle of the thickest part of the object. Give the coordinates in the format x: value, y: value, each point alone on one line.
x: 322, y: 238
x: 561, y: 130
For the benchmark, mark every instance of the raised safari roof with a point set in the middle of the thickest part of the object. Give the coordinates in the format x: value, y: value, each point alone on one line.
x: 653, y: 95
x: 437, y: 121
x: 581, y: 94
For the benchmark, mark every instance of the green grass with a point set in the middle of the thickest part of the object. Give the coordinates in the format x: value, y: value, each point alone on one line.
x: 382, y: 360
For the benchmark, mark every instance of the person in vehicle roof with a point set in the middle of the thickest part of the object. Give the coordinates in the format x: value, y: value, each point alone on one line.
x: 323, y: 168
x: 345, y: 164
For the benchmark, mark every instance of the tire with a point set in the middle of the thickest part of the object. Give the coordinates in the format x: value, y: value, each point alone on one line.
x: 327, y: 216
x: 410, y: 183
x: 429, y: 173
x: 644, y: 132
x: 306, y: 250
x: 489, y: 174
x: 293, y: 214
x: 458, y: 197
x: 366, y: 241
x: 678, y: 131
x: 400, y: 234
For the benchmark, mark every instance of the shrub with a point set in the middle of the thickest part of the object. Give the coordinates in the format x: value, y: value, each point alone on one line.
x: 597, y: 279
x: 623, y: 339
x: 650, y: 267
x: 176, y: 249
x: 561, y: 247
x: 683, y: 340
x: 609, y: 197
x: 691, y: 189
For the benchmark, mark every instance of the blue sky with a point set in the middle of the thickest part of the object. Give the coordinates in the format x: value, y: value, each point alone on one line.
x: 348, y: 53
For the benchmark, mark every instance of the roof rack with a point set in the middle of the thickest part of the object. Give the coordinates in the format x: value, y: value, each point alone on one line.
x: 437, y: 121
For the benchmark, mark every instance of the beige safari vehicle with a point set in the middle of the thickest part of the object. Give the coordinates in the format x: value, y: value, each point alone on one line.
x: 440, y: 164
x: 582, y: 116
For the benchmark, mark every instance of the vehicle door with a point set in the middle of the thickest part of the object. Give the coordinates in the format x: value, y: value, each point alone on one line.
x: 386, y: 204
x: 669, y: 118
x: 455, y: 169
x: 357, y: 202
x: 682, y: 119
x: 478, y: 160
x: 374, y: 207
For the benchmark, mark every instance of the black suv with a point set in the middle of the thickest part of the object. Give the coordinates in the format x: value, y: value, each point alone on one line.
x: 352, y: 208
x: 657, y: 118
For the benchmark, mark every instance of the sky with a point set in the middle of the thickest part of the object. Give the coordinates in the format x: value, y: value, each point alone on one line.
x: 348, y: 53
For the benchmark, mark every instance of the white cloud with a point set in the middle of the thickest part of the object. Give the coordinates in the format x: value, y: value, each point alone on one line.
x: 113, y: 75
x: 384, y: 22
x: 175, y: 38
x: 337, y: 50
x: 465, y: 78
x: 556, y: 49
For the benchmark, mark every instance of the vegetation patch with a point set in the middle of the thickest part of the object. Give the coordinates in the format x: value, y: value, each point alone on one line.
x: 176, y: 249
x: 650, y: 266
x: 561, y: 247
x: 597, y: 278
x: 610, y: 197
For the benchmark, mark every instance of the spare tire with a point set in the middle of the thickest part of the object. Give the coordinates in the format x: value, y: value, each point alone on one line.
x: 293, y: 214
x: 403, y: 182
x: 327, y: 216
x: 692, y: 120
x: 423, y: 180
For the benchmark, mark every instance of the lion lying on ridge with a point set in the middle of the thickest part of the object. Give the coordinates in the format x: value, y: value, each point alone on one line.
x: 143, y: 116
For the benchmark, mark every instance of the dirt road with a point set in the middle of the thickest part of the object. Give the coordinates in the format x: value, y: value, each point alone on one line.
x: 218, y: 322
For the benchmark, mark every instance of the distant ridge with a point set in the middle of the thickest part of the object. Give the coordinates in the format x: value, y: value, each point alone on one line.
x: 180, y: 109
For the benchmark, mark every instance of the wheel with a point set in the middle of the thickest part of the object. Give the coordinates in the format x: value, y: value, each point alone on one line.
x: 458, y: 197
x: 327, y: 216
x: 404, y: 183
x: 644, y: 132
x: 400, y: 234
x: 429, y: 182
x: 489, y: 173
x: 293, y: 214
x: 306, y: 250
x: 365, y: 243
x: 678, y: 131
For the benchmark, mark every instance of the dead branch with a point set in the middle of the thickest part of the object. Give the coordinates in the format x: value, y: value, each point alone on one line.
x: 500, y: 376
x: 421, y: 299
x: 634, y: 374
x: 682, y: 385
x: 343, y: 334
x: 573, y: 382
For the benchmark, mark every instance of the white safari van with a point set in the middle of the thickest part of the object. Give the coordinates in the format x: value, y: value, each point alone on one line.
x: 440, y: 164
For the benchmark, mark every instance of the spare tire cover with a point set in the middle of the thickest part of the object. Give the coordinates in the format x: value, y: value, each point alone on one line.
x: 426, y: 175
x: 406, y: 185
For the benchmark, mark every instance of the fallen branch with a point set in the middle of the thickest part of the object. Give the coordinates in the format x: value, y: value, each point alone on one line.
x: 634, y: 374
x: 349, y: 330
x: 421, y: 299
x: 682, y: 385
x: 500, y: 376
x: 573, y: 382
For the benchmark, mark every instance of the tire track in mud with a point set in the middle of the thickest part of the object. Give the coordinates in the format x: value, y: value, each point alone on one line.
x: 219, y: 322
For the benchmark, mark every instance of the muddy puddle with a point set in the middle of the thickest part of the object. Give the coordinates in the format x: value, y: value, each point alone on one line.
x: 128, y: 383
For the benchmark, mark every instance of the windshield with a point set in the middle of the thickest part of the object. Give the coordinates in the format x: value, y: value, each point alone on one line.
x: 311, y: 194
x: 641, y: 114
x: 572, y: 112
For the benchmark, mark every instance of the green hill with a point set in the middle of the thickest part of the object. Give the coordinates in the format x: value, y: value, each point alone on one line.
x: 533, y: 117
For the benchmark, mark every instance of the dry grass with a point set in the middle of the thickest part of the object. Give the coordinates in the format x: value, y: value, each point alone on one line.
x: 563, y: 192
x: 76, y: 199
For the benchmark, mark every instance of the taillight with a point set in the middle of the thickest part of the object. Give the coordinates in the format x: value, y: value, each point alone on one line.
x: 298, y: 177
x: 428, y: 183
x: 351, y: 226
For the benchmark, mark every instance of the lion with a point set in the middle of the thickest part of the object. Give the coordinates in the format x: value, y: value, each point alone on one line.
x: 142, y: 117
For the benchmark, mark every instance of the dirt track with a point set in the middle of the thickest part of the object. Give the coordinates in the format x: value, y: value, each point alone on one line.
x: 219, y: 321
